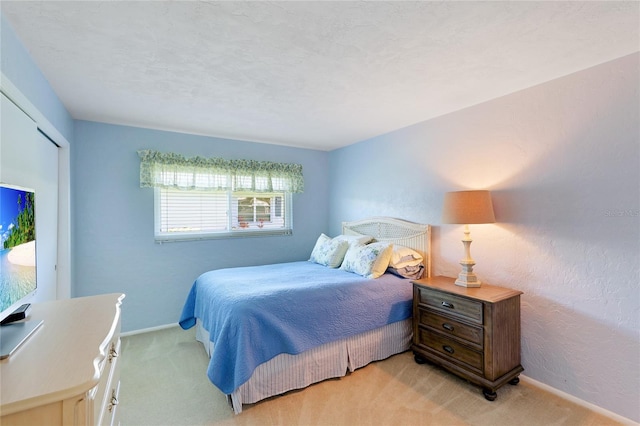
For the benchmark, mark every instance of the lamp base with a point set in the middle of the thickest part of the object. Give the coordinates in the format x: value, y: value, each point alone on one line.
x: 468, y: 280
x: 466, y: 277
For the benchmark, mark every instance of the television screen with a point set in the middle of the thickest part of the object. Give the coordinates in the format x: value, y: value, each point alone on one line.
x: 17, y: 247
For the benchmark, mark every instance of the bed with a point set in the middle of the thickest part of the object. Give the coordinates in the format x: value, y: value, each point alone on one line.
x: 273, y: 328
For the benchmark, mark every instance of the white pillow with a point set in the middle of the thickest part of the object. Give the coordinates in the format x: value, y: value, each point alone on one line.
x: 355, y: 239
x: 402, y: 256
x: 329, y: 252
x: 370, y: 261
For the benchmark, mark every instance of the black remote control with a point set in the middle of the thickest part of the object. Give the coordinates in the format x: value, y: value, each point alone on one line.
x: 17, y: 315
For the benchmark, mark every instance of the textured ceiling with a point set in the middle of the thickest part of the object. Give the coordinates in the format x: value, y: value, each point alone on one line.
x: 311, y: 74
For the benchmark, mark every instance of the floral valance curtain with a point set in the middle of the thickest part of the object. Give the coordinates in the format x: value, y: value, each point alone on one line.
x: 169, y: 170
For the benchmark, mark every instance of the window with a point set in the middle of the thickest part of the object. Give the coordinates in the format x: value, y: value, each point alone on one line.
x: 199, y: 214
x: 213, y: 197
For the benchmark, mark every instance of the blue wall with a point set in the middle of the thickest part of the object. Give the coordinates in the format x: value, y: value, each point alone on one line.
x: 113, y: 245
x: 385, y: 176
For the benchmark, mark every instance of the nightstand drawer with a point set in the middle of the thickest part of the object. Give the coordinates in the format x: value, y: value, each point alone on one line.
x: 448, y: 326
x: 454, y: 305
x: 450, y: 349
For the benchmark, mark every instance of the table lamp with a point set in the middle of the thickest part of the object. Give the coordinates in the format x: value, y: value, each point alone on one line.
x: 467, y: 207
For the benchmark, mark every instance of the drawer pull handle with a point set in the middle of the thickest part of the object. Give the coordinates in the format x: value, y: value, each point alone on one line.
x: 114, y: 401
x: 448, y: 349
x: 447, y: 305
x: 113, y: 353
x: 447, y: 326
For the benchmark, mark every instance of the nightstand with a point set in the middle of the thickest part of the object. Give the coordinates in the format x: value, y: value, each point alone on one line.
x: 471, y: 332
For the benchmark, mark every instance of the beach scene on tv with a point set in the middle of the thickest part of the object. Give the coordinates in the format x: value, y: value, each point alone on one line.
x: 17, y: 245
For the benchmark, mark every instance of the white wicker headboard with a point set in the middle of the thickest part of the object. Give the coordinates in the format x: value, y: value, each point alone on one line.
x: 397, y: 231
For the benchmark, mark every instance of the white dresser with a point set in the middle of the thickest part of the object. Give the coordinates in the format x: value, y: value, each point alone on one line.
x: 68, y: 371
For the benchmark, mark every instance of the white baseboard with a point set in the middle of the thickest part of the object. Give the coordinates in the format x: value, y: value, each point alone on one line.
x: 583, y: 403
x: 148, y: 330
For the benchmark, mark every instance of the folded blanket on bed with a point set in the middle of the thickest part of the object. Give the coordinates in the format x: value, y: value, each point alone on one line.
x: 255, y: 313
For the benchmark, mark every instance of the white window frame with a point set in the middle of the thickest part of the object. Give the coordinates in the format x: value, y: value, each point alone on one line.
x: 231, y: 231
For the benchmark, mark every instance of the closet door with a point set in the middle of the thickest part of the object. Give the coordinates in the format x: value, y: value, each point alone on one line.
x: 47, y: 217
x: 29, y: 159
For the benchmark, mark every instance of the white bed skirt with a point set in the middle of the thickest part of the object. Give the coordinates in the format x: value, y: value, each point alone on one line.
x: 287, y: 372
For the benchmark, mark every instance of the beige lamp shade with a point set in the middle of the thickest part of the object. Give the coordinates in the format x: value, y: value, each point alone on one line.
x: 468, y: 207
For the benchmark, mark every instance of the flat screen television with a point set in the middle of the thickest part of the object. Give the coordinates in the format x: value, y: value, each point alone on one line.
x: 18, y: 275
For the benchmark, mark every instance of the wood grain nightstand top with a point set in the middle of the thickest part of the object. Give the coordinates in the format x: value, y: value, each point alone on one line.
x: 486, y: 293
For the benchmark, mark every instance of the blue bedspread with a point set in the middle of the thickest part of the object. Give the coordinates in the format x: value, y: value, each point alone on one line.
x: 255, y: 313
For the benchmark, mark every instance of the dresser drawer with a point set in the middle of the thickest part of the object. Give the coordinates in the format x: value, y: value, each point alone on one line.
x: 470, y: 310
x: 110, y: 376
x: 110, y: 415
x: 451, y: 350
x: 450, y: 327
x: 109, y: 380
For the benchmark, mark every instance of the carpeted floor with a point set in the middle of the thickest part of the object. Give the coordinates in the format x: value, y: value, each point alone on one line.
x: 163, y: 382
